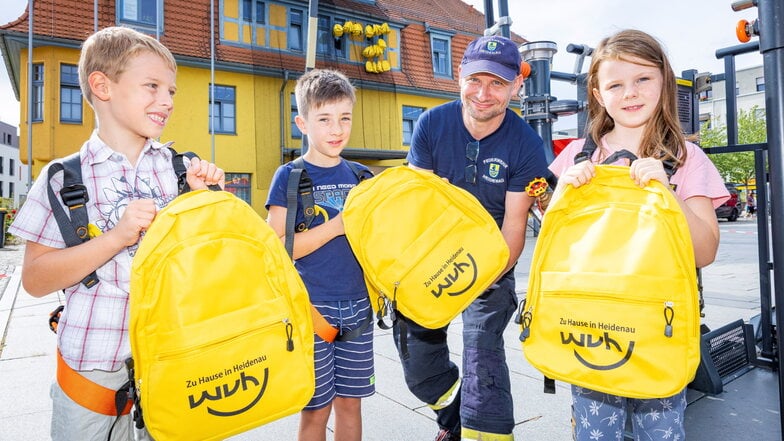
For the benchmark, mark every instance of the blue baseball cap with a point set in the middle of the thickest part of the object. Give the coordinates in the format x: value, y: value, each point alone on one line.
x: 492, y: 54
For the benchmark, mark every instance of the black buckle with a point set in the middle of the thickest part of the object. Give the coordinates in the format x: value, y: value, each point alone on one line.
x: 54, y: 318
x: 74, y: 195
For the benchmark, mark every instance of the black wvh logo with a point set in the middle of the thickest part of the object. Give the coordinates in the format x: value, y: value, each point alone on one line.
x: 461, y: 271
x: 226, y: 390
x: 594, y: 343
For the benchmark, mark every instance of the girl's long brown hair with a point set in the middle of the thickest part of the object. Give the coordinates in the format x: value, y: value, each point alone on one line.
x: 663, y: 138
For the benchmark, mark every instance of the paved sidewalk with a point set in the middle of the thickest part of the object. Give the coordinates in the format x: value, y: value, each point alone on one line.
x: 27, y: 364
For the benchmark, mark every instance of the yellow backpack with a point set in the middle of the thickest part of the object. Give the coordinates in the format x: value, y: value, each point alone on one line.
x: 612, y: 301
x: 428, y: 248
x: 220, y: 323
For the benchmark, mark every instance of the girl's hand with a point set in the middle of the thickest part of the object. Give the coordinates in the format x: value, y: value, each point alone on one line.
x: 645, y: 170
x: 578, y: 174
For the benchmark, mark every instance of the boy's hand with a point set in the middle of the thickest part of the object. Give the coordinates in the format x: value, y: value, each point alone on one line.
x: 137, y: 217
x: 203, y: 173
x: 645, y: 170
x: 578, y: 174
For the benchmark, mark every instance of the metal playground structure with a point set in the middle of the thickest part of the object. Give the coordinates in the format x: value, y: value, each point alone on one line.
x: 729, y: 351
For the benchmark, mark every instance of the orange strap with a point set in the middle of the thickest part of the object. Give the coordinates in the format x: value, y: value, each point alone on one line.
x: 321, y: 326
x: 86, y: 393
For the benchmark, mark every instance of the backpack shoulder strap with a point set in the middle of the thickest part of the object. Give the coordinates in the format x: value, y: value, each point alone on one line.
x: 299, y: 184
x: 590, y: 147
x: 587, y: 152
x: 360, y: 173
x: 74, y: 224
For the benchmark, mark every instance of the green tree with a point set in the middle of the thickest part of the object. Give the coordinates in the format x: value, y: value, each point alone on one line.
x: 736, y: 167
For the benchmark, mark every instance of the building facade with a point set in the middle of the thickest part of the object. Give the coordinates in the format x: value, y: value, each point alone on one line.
x: 13, y: 174
x: 749, y: 92
x: 238, y: 62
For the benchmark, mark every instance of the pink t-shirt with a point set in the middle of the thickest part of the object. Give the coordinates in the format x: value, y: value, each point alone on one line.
x: 696, y: 177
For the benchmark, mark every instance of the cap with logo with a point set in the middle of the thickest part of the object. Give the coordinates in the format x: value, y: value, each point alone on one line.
x: 494, y: 55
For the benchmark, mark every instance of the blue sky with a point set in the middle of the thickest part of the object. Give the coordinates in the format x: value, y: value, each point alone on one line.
x: 691, y: 31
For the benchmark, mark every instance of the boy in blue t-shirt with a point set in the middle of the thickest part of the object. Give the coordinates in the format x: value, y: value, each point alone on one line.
x: 331, y: 273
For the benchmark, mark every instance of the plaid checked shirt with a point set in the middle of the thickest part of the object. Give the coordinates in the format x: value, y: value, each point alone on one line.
x: 93, y: 329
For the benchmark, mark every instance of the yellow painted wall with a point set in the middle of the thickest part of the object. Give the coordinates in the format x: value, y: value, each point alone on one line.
x: 255, y: 148
x: 51, y: 139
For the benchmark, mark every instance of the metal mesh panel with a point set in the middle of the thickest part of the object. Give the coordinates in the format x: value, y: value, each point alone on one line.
x: 728, y: 351
x: 685, y: 98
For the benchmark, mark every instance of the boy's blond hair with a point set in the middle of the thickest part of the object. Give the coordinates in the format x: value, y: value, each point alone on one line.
x: 322, y: 86
x: 109, y: 51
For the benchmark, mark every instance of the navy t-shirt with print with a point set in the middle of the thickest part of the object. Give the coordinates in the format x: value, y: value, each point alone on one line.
x: 509, y: 159
x: 331, y: 273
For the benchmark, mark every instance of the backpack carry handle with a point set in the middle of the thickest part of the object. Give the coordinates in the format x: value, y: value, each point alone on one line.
x: 620, y: 154
x: 181, y: 171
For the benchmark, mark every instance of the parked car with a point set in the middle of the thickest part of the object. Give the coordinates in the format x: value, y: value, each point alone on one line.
x: 730, y: 209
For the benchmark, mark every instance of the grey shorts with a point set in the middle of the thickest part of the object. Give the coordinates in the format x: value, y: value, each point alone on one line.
x: 72, y: 422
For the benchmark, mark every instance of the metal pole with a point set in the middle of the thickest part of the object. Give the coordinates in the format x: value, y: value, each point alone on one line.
x: 212, y: 81
x: 732, y: 101
x: 536, y: 104
x: 503, y: 11
x: 310, y: 57
x: 489, y: 19
x: 763, y: 253
x: 772, y: 49
x: 30, y: 95
x: 95, y: 15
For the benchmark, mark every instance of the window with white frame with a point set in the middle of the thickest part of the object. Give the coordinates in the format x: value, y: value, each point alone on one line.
x: 410, y: 117
x: 253, y: 11
x: 141, y: 13
x: 296, y: 29
x: 70, y: 94
x: 326, y: 44
x: 442, y: 58
x: 38, y: 92
x: 239, y: 185
x: 223, y: 110
x: 760, y: 84
x: 295, y: 132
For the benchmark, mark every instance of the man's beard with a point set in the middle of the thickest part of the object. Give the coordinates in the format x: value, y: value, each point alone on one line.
x: 482, y: 116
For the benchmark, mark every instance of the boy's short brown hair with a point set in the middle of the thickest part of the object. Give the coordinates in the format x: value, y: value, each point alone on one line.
x: 109, y: 51
x: 322, y: 86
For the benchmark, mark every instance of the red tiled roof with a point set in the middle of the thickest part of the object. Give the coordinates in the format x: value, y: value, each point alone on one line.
x: 187, y: 34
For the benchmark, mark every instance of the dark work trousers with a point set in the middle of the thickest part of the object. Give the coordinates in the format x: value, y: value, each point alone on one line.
x: 485, y: 400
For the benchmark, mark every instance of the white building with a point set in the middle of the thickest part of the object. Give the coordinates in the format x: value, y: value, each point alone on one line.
x: 749, y: 92
x: 13, y: 174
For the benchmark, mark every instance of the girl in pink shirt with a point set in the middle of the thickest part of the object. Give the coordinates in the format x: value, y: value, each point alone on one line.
x: 632, y: 106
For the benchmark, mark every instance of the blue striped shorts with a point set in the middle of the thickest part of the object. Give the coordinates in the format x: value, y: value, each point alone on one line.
x: 344, y: 368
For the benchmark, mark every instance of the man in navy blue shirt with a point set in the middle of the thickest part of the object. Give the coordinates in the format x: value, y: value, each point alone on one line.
x: 478, y: 144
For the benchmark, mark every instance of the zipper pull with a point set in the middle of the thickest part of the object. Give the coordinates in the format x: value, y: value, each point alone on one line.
x: 525, y: 321
x: 289, y: 335
x: 519, y: 316
x: 393, y: 305
x: 669, y: 314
